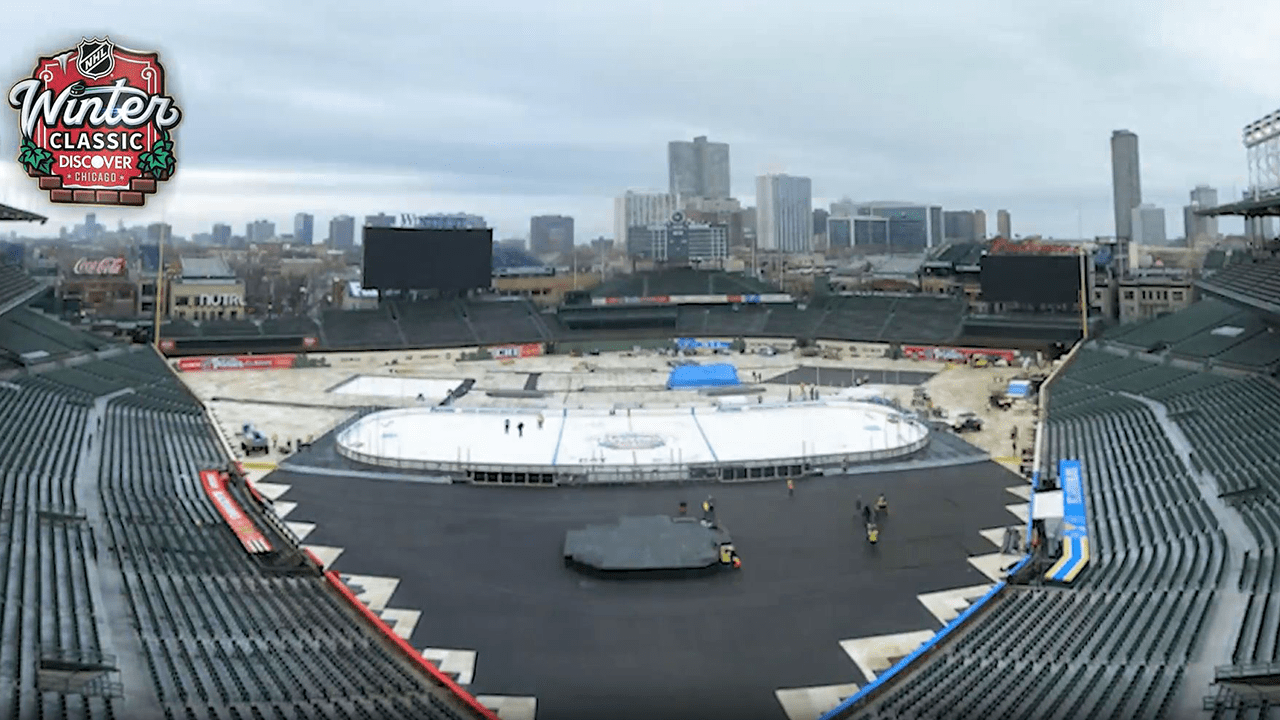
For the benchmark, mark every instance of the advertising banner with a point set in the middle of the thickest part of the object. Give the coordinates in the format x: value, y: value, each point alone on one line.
x: 237, y: 362
x: 516, y: 351
x: 1075, y: 531
x: 947, y: 354
x: 246, y: 532
x: 686, y: 344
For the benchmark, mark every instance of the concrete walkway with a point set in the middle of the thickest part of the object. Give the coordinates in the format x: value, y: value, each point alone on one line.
x: 106, y: 582
x: 1222, y: 626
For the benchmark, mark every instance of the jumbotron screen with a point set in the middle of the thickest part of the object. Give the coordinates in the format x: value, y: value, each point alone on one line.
x: 427, y: 259
x: 1031, y: 279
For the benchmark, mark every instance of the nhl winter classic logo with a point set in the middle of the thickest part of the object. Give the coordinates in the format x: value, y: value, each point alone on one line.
x: 96, y: 124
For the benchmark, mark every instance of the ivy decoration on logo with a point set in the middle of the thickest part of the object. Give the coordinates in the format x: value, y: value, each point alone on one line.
x: 97, y: 124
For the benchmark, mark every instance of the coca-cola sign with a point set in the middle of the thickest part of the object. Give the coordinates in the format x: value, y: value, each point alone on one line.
x: 105, y: 266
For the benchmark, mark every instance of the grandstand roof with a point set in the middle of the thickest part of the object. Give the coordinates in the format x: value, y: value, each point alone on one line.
x: 1253, y: 284
x: 957, y: 254
x: 681, y: 281
x: 16, y: 287
x: 1211, y: 330
x: 14, y: 214
x: 213, y: 267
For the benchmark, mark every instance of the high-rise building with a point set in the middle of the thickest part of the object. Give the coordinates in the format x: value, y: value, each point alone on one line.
x: 1004, y: 228
x: 913, y: 227
x: 959, y: 226
x: 342, y: 232
x: 820, y: 217
x: 304, y: 225
x: 640, y: 209
x: 259, y: 231
x: 1147, y: 222
x: 979, y: 224
x: 698, y: 169
x: 1198, y: 229
x: 844, y: 207
x: 679, y: 241
x: 159, y: 232
x: 1126, y: 182
x: 550, y: 234
x: 445, y: 221
x: 784, y: 213
x: 839, y: 232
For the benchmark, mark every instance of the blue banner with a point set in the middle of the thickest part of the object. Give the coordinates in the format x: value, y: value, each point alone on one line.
x: 694, y: 344
x: 1075, y: 530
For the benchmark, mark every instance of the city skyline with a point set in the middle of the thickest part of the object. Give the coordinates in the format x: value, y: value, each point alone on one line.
x: 264, y: 137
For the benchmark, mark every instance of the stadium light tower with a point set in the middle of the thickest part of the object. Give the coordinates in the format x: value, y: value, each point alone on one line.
x: 1262, y: 146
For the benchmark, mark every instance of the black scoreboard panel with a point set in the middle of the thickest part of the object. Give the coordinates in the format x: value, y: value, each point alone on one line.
x: 427, y: 259
x: 1031, y: 279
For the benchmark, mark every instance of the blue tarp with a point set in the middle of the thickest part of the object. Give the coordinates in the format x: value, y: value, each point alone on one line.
x: 1019, y: 388
x: 696, y: 376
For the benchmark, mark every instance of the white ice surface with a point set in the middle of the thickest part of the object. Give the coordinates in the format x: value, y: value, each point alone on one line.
x: 432, y: 389
x: 575, y: 437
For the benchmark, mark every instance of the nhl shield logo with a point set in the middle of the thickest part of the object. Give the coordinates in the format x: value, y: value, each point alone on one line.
x: 95, y: 58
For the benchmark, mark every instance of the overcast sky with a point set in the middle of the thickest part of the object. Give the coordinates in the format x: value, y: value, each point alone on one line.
x: 509, y: 109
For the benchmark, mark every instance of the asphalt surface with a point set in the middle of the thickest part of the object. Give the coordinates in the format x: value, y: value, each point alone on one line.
x: 484, y: 565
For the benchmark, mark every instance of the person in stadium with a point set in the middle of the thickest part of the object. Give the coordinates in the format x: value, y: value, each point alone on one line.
x: 866, y: 512
x: 506, y: 426
x: 791, y: 487
x: 873, y: 533
x: 541, y: 420
x: 520, y: 429
x: 882, y: 505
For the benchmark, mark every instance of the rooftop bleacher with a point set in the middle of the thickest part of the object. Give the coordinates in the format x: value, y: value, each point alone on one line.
x: 681, y: 281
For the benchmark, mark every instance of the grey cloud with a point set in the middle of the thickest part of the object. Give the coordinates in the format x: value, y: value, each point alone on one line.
x: 989, y: 103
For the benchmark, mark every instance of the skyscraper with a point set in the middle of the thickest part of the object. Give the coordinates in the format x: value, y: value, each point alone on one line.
x: 1126, y: 181
x: 639, y: 209
x: 979, y: 224
x: 304, y: 228
x: 1147, y: 222
x: 550, y: 234
x: 259, y: 231
x: 913, y: 227
x: 699, y: 168
x: 1197, y: 228
x: 959, y: 226
x: 1004, y: 228
x: 342, y: 232
x: 784, y: 207
x: 221, y: 234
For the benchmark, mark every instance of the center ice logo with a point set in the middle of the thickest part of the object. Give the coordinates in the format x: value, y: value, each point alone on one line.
x: 632, y: 441
x: 96, y: 124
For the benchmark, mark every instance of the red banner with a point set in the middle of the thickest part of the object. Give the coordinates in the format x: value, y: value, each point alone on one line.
x: 237, y: 362
x: 246, y: 532
x: 516, y: 351
x: 946, y: 354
